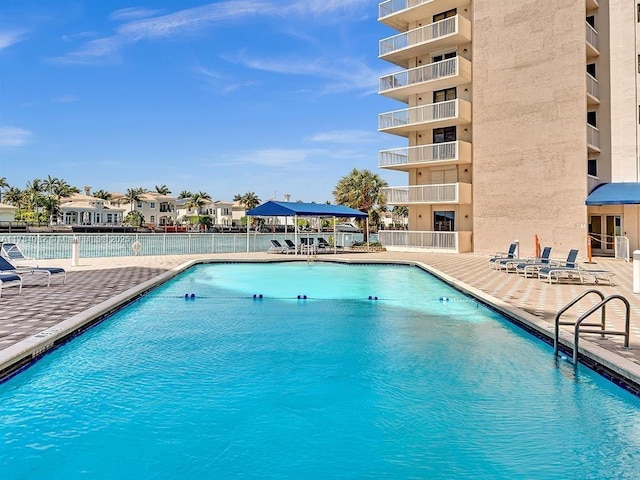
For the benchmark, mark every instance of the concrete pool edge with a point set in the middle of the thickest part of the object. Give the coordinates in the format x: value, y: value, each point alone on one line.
x: 22, y: 354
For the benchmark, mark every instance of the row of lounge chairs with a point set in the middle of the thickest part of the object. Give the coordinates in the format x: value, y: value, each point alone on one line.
x: 547, y: 269
x: 12, y: 268
x: 307, y: 246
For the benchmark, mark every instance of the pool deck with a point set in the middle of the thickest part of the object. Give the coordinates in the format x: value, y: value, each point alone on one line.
x: 96, y: 285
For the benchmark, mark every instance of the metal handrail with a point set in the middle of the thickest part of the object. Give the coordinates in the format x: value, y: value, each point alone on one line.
x: 580, y: 322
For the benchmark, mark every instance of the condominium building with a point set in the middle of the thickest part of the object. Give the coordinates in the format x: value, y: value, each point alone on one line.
x: 521, y: 120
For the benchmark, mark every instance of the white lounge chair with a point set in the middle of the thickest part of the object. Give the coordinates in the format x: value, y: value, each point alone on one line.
x: 10, y: 280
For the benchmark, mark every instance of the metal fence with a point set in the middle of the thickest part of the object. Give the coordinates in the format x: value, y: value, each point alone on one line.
x: 57, y: 245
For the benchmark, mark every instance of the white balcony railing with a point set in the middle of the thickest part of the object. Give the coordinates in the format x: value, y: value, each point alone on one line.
x: 452, y: 193
x: 593, y: 88
x: 436, y: 152
x: 454, y: 242
x: 422, y: 114
x: 593, y: 136
x: 592, y: 37
x: 425, y: 73
x: 423, y: 34
x: 394, y: 6
x: 592, y: 182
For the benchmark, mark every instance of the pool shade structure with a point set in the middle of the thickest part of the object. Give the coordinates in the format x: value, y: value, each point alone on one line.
x: 299, y: 209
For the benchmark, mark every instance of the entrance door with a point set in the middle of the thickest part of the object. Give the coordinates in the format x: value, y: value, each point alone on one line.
x: 603, y: 230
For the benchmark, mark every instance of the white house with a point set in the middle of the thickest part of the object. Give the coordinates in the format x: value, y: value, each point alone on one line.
x: 156, y: 209
x: 80, y: 209
x: 7, y: 213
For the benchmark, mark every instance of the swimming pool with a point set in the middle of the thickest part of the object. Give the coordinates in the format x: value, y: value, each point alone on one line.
x: 421, y: 383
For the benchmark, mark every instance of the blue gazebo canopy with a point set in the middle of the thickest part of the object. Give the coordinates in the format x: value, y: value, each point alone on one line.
x: 621, y: 193
x: 291, y: 209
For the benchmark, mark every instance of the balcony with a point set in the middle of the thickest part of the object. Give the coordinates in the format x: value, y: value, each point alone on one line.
x: 451, y: 72
x: 420, y: 41
x: 593, y: 91
x: 425, y: 155
x: 593, y: 138
x: 592, y: 182
x: 399, y: 240
x: 444, y: 193
x: 442, y: 114
x: 398, y: 14
x: 593, y: 48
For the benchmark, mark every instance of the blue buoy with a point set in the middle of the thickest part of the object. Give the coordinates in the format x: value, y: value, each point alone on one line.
x: 186, y: 295
x: 193, y: 295
x: 444, y: 299
x: 260, y: 296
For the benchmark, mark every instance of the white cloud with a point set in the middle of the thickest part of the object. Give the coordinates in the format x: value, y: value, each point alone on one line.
x: 133, y: 13
x: 9, y: 38
x: 65, y: 98
x: 188, y: 21
x: 14, y: 137
x: 345, y: 136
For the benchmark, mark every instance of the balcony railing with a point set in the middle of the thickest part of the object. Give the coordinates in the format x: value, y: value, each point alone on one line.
x: 593, y: 88
x: 592, y: 182
x: 423, y: 35
x: 452, y: 193
x: 444, y: 74
x: 450, y: 112
x: 454, y: 242
x: 592, y: 39
x: 425, y: 154
x: 593, y: 137
x: 399, y: 14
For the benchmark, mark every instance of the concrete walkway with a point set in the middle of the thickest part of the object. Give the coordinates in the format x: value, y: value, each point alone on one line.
x: 96, y: 280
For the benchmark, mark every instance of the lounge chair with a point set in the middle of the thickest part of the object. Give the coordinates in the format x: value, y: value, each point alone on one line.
x: 7, y: 267
x: 276, y: 247
x: 571, y: 270
x: 10, y: 280
x: 511, y: 264
x: 13, y: 253
x: 511, y: 253
x: 291, y: 247
x: 324, y: 245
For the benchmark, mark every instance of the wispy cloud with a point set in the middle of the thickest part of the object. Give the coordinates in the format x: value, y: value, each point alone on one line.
x: 14, y: 136
x: 345, y: 137
x: 191, y: 20
x: 10, y: 37
x: 72, y: 37
x: 65, y: 98
x: 133, y: 13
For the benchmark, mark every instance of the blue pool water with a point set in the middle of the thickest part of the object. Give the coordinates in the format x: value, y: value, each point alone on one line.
x: 421, y: 383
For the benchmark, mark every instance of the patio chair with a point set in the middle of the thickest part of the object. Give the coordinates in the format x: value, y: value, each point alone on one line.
x: 568, y: 269
x: 276, y: 247
x: 291, y: 247
x: 14, y: 253
x: 528, y: 264
x: 10, y: 268
x: 324, y: 245
x: 511, y: 253
x: 10, y: 280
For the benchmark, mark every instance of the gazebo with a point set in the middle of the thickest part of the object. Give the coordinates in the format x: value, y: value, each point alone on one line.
x: 298, y: 209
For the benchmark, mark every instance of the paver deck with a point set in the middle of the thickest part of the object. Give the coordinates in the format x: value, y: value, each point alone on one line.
x: 95, y: 280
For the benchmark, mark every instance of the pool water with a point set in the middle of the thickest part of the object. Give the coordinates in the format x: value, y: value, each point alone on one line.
x: 421, y: 383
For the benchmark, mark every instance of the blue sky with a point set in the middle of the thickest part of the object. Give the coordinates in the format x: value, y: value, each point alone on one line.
x: 226, y: 97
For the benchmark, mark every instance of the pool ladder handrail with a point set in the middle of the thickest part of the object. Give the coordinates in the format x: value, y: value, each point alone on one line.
x: 602, y: 331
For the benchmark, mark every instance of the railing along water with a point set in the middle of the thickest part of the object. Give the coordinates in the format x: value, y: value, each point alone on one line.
x: 59, y: 245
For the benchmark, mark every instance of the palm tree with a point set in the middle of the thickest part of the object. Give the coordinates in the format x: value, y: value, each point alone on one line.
x: 361, y: 190
x: 163, y: 189
x: 197, y: 201
x: 14, y: 196
x: 249, y: 200
x: 3, y: 185
x: 33, y: 194
x: 185, y: 194
x: 400, y: 212
x: 103, y: 194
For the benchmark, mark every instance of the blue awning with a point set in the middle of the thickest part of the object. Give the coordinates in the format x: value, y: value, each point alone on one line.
x: 624, y: 193
x: 290, y: 209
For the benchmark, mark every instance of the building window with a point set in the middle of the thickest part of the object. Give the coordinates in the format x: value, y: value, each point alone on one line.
x: 591, y: 68
x: 592, y: 119
x: 445, y: 95
x: 446, y: 134
x: 591, y: 20
x: 152, y: 219
x: 152, y: 205
x: 592, y: 167
x: 448, y: 14
x: 443, y: 56
x: 639, y: 12
x: 139, y: 204
x: 444, y: 221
